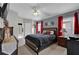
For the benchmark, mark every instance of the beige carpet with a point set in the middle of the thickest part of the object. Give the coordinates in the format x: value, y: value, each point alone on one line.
x: 54, y: 49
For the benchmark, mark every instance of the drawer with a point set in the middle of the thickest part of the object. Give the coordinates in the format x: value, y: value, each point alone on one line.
x: 61, y: 41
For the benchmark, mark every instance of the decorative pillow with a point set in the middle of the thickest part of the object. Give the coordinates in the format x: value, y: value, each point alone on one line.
x: 51, y: 32
x: 44, y: 32
x: 52, y: 36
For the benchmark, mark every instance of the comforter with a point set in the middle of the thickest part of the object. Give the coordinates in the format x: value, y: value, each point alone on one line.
x: 40, y: 39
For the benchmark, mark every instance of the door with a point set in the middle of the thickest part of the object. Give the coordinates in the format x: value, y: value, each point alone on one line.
x: 27, y: 28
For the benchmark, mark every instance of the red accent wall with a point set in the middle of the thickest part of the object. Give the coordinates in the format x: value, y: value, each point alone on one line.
x: 36, y: 27
x: 76, y: 26
x: 60, y: 25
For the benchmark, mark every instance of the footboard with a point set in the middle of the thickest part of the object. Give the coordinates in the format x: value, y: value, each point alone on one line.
x: 32, y: 46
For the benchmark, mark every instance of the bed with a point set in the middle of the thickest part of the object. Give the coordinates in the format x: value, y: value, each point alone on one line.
x: 38, y: 42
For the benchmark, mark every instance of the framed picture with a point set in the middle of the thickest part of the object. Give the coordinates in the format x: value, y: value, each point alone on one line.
x: 46, y: 23
x: 52, y: 23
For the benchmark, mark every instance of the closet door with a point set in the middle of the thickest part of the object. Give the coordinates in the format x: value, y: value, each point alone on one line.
x: 28, y: 28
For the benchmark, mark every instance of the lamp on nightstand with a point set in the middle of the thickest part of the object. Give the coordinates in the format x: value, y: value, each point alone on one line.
x: 64, y: 32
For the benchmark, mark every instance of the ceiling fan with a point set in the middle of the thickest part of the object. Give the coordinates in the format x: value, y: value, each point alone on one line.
x: 38, y: 12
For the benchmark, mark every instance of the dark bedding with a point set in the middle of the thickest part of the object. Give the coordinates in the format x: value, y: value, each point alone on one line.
x: 40, y: 39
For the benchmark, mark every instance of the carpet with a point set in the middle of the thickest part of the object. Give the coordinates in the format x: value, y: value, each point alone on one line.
x: 54, y: 49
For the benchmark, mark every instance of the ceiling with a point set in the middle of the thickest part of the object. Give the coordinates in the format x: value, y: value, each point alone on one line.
x: 24, y: 10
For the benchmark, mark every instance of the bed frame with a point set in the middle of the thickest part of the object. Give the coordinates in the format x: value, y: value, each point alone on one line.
x: 37, y: 50
x: 51, y: 29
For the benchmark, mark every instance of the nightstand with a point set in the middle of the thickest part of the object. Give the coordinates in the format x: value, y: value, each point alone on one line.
x: 62, y: 41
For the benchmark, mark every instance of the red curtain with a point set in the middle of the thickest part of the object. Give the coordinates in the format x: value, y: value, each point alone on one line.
x: 41, y: 26
x: 76, y: 23
x: 78, y: 27
x: 41, y: 29
x: 60, y: 25
x: 36, y: 27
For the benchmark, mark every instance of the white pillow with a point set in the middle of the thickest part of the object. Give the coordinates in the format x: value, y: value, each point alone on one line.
x: 44, y: 31
x: 51, y: 32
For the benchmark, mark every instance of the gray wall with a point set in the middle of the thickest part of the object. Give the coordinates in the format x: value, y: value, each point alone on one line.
x: 12, y: 18
x: 49, y: 20
x: 66, y: 16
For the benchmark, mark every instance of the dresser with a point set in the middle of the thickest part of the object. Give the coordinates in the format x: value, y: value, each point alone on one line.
x: 73, y: 45
x: 62, y: 41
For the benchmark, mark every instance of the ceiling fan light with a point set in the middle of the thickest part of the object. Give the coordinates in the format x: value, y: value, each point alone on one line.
x: 36, y: 12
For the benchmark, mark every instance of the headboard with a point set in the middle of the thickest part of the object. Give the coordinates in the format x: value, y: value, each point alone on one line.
x: 50, y: 29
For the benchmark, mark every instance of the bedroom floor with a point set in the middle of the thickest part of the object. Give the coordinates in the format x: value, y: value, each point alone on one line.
x: 54, y: 49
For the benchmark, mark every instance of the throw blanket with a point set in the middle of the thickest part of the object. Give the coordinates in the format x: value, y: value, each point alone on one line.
x: 9, y: 46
